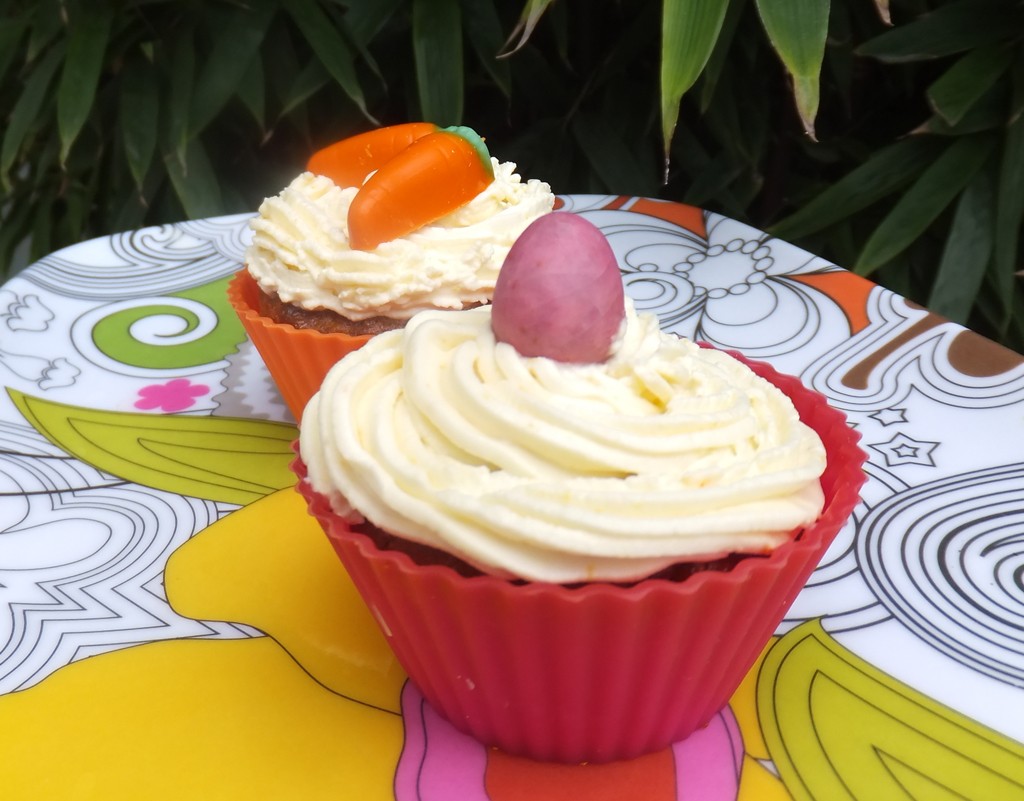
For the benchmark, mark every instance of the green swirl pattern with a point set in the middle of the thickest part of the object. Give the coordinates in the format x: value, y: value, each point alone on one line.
x: 112, y: 335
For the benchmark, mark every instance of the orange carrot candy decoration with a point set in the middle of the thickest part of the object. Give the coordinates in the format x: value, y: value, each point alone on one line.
x: 349, y: 161
x: 430, y: 178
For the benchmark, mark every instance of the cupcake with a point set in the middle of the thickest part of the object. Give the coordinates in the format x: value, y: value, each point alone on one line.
x: 381, y: 226
x: 576, y: 554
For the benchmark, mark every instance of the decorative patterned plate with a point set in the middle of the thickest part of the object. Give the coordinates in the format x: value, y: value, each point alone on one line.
x: 173, y: 625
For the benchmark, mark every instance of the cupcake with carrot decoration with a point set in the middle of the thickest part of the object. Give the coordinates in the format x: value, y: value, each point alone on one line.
x: 379, y: 227
x: 576, y: 531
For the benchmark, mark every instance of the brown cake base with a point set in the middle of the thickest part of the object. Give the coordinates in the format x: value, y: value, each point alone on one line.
x: 427, y: 555
x: 323, y: 320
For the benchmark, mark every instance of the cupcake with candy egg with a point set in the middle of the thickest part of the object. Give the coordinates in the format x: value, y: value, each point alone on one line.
x: 379, y: 227
x: 576, y: 531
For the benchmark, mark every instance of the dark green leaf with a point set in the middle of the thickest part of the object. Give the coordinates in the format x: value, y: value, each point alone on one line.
x: 483, y: 30
x: 11, y: 33
x: 963, y: 84
x: 1017, y: 86
x: 712, y: 181
x: 139, y: 112
x: 330, y: 47
x: 17, y: 226
x: 236, y: 44
x: 130, y: 215
x: 986, y: 114
x: 183, y: 65
x: 88, y: 32
x: 924, y: 201
x: 692, y: 159
x: 967, y: 250
x: 952, y: 28
x: 306, y: 84
x: 27, y: 110
x: 252, y: 91
x: 615, y: 76
x: 885, y: 172
x: 613, y: 159
x: 360, y: 43
x: 688, y: 35
x: 47, y: 22
x: 76, y: 203
x: 739, y: 123
x: 1009, y: 209
x: 195, y: 182
x: 437, y: 49
x: 717, y: 60
x: 365, y: 20
x: 797, y: 30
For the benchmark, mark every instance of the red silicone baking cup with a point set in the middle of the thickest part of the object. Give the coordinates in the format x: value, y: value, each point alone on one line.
x: 597, y: 672
x: 297, y: 358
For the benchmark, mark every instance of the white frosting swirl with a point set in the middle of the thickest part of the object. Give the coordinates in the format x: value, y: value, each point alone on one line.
x: 300, y: 249
x: 532, y: 468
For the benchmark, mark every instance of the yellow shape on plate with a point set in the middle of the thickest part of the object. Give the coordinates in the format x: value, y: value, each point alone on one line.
x: 229, y: 459
x: 744, y: 706
x: 757, y: 783
x: 839, y: 728
x: 201, y: 719
x: 226, y: 719
x: 270, y: 565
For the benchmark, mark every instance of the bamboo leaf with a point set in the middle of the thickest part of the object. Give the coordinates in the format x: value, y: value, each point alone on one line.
x: 306, y: 84
x: 183, y: 65
x: 1009, y: 209
x: 330, y: 48
x: 614, y: 160
x: 967, y: 81
x: 483, y: 30
x: 528, y: 19
x: 139, y: 111
x: 437, y: 50
x: 365, y: 20
x: 232, y: 460
x: 692, y: 159
x: 88, y: 33
x: 712, y: 181
x: 236, y: 44
x: 924, y: 201
x: 195, y: 182
x: 47, y: 17
x: 76, y: 201
x: 949, y: 29
x: 26, y: 110
x: 688, y: 34
x: 1016, y: 81
x: 11, y: 33
x: 371, y: 17
x: 967, y: 250
x: 716, y: 62
x: 797, y: 30
x: 251, y: 91
x: 885, y: 172
x: 17, y: 226
x: 985, y: 114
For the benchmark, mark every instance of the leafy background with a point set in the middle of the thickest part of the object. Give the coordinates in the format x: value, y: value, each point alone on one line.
x: 887, y: 138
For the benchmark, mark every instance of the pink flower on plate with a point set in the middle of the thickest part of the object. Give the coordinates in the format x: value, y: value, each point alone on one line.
x: 170, y: 397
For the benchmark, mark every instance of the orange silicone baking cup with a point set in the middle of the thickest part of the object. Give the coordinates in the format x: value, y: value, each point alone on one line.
x: 596, y: 672
x: 297, y: 358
